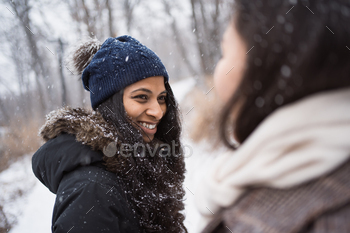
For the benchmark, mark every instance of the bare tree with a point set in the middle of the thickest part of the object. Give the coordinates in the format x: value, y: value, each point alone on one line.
x: 129, y: 6
x: 4, y: 113
x: 88, y: 15
x: 36, y: 69
x: 22, y: 11
x: 62, y: 78
x: 111, y: 27
x: 207, y: 29
x: 88, y: 18
x: 178, y: 38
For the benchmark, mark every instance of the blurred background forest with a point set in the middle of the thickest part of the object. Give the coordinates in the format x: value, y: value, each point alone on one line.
x: 37, y: 37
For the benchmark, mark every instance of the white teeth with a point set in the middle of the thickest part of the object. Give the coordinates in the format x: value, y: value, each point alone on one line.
x: 147, y: 125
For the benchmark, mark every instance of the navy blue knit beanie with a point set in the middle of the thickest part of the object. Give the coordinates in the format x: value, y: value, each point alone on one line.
x: 118, y: 63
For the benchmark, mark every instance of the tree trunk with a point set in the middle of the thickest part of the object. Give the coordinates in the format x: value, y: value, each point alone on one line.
x: 178, y: 40
x: 129, y: 9
x: 37, y: 64
x: 90, y: 23
x: 62, y: 79
x: 112, y: 32
x: 199, y: 40
x: 6, y: 117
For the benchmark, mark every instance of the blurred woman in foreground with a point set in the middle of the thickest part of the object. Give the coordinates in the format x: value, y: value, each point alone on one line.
x: 284, y: 78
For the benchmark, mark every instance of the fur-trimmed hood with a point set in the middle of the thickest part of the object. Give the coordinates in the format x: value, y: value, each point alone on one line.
x: 153, y: 183
x: 88, y: 126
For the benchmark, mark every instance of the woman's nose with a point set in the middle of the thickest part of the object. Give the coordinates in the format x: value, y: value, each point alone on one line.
x: 155, y: 110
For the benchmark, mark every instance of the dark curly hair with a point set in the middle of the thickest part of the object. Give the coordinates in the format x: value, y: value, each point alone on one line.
x: 300, y: 48
x: 154, y: 183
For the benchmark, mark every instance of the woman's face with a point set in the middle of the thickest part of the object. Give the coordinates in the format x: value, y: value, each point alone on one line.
x: 229, y: 70
x: 145, y: 103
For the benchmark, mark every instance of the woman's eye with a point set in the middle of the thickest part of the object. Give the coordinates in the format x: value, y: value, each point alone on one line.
x: 162, y: 98
x: 143, y: 97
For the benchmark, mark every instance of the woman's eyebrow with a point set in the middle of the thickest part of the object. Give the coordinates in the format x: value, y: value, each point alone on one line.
x: 164, y: 92
x: 142, y: 89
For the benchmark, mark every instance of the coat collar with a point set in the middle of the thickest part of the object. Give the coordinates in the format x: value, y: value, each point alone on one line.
x: 88, y: 126
x: 276, y: 210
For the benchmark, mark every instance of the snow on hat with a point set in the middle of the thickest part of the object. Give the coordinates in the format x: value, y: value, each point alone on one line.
x: 118, y: 62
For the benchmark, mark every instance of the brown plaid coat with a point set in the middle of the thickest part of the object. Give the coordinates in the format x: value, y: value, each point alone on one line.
x: 322, y: 205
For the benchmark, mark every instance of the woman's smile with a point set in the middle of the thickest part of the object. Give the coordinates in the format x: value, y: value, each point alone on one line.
x: 145, y: 104
x: 148, y: 127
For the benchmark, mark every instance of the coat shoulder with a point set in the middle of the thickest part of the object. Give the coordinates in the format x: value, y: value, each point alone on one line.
x: 91, y: 199
x: 59, y: 156
x: 322, y: 202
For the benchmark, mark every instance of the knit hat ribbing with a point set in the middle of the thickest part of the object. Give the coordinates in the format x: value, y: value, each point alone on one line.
x: 119, y: 63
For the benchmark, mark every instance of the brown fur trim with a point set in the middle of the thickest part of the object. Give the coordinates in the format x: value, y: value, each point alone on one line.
x: 88, y: 126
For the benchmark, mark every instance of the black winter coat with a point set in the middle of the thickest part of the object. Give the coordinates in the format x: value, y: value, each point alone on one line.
x: 89, y: 198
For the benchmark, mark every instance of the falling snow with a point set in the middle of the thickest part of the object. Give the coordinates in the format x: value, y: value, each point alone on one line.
x: 40, y: 200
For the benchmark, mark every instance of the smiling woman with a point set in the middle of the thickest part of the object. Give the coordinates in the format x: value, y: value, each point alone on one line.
x: 145, y: 104
x: 99, y: 187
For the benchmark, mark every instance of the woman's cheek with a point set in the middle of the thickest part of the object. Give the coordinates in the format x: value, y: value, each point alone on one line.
x: 222, y: 80
x: 164, y: 108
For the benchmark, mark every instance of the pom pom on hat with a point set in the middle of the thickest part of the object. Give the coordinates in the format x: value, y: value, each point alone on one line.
x: 84, y: 54
x: 118, y: 63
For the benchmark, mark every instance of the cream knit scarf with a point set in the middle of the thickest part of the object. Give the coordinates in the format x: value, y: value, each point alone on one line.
x: 295, y: 144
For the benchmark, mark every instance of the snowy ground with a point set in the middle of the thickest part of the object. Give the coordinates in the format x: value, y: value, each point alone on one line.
x: 33, y: 209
